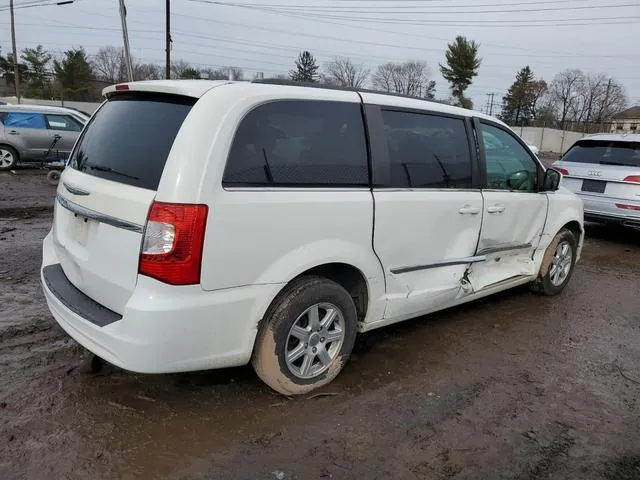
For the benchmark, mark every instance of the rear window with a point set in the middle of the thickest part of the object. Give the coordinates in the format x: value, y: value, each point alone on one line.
x: 625, y: 154
x: 299, y: 143
x: 129, y: 138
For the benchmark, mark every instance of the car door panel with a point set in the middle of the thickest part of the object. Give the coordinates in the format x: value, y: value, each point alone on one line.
x: 67, y: 129
x: 28, y: 132
x: 428, y: 216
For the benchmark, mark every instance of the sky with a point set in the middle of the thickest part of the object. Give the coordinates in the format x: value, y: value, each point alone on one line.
x: 267, y: 35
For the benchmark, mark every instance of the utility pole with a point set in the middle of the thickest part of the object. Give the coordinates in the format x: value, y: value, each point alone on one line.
x: 16, y: 70
x: 605, y: 110
x: 167, y: 73
x: 125, y: 36
x: 490, y: 103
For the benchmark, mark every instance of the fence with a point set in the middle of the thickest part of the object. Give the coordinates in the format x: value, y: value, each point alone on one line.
x: 548, y: 139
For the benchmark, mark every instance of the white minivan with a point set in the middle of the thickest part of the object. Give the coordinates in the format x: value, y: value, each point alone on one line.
x: 206, y: 224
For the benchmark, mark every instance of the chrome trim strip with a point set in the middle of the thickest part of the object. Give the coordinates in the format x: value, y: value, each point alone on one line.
x: 100, y: 217
x: 505, y: 248
x: 75, y: 190
x: 444, y: 263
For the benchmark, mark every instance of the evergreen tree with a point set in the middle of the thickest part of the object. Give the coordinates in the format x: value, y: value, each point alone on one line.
x: 306, y: 68
x: 518, y: 104
x: 462, y: 65
x: 190, y: 73
x: 75, y: 76
x: 37, y: 75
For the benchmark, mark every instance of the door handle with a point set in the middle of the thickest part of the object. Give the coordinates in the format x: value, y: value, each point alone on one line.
x: 13, y: 132
x: 496, y: 209
x: 469, y: 210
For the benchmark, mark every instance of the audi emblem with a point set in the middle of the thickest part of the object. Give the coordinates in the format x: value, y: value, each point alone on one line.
x: 594, y: 173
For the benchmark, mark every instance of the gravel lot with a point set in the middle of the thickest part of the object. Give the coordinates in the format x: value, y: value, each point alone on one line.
x: 511, y: 387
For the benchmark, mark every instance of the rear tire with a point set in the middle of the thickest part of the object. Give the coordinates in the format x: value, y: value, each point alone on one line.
x: 53, y: 177
x: 8, y: 157
x: 306, y: 336
x: 559, y: 262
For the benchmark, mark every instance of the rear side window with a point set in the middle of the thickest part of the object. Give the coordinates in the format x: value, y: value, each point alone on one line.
x: 427, y: 151
x: 63, y: 122
x: 625, y: 154
x: 299, y: 143
x: 129, y: 138
x: 24, y: 120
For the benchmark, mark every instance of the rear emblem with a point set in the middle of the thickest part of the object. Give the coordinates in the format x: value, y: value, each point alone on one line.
x: 594, y: 173
x: 75, y: 190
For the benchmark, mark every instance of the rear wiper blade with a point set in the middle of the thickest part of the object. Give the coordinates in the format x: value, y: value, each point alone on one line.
x: 100, y: 168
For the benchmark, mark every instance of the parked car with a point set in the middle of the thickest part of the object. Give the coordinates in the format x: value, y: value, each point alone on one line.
x: 604, y: 170
x: 208, y: 224
x: 28, y: 133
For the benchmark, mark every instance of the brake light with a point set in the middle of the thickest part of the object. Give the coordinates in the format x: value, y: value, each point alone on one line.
x: 626, y: 206
x: 122, y: 87
x: 172, y: 245
x: 632, y: 179
x: 563, y: 171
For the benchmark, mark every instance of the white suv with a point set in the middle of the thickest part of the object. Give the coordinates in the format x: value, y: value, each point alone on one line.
x: 208, y: 224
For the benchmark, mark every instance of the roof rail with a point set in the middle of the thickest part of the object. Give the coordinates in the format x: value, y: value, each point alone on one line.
x: 327, y: 86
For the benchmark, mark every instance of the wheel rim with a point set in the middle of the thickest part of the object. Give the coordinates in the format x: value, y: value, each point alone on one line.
x: 561, y: 265
x: 315, y: 340
x: 6, y: 158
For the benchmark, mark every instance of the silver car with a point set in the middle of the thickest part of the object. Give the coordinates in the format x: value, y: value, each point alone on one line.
x: 604, y: 170
x: 34, y: 133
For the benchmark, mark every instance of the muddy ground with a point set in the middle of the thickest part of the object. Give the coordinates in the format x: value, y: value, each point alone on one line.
x: 515, y: 386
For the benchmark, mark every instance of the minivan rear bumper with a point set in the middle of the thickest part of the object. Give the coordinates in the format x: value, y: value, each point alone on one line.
x: 165, y: 328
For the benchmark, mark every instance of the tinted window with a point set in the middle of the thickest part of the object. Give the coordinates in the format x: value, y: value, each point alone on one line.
x: 427, y: 151
x: 63, y: 122
x: 308, y: 143
x: 504, y: 157
x: 23, y: 120
x: 129, y: 138
x: 605, y: 153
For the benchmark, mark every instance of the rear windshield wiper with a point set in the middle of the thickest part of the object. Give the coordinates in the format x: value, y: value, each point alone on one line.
x: 100, y: 168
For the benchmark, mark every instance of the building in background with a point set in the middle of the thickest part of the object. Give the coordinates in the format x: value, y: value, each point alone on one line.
x: 627, y: 121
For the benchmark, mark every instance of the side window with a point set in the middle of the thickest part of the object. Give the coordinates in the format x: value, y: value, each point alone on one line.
x: 509, y: 165
x: 63, y: 122
x: 427, y: 151
x: 299, y: 143
x: 24, y: 120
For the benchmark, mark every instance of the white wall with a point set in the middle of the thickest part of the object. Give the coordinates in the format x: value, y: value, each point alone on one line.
x: 548, y: 139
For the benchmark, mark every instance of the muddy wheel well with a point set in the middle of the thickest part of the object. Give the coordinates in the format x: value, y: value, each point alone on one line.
x: 350, y: 278
x: 575, y: 228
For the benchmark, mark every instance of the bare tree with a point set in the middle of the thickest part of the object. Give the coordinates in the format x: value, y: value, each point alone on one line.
x: 109, y: 65
x: 342, y: 71
x: 564, y: 93
x: 147, y: 71
x: 179, y: 67
x: 539, y: 89
x: 408, y: 78
x: 601, y: 97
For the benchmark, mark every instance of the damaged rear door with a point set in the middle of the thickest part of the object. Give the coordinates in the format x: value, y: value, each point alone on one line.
x: 514, y: 211
x: 427, y: 212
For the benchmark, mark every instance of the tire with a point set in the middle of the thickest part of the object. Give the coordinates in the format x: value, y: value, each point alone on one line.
x: 8, y: 157
x: 53, y: 177
x: 314, y: 360
x: 557, y: 267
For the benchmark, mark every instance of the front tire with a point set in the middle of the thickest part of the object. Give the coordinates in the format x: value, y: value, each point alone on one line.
x: 8, y: 157
x: 306, y: 336
x: 559, y: 261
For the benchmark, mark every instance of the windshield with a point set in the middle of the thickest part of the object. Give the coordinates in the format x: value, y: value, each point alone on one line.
x: 602, y: 152
x: 129, y: 138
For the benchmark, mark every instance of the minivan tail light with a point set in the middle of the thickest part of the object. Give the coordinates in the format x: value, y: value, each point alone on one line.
x: 563, y: 171
x: 632, y: 179
x: 173, y: 241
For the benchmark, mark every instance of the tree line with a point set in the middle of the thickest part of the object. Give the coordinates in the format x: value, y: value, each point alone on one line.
x: 572, y: 96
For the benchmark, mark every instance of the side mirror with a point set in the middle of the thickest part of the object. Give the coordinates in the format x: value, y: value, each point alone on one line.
x: 551, y: 181
x: 518, y: 179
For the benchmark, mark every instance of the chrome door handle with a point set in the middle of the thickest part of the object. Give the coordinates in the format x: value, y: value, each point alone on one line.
x: 468, y: 210
x: 495, y: 209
